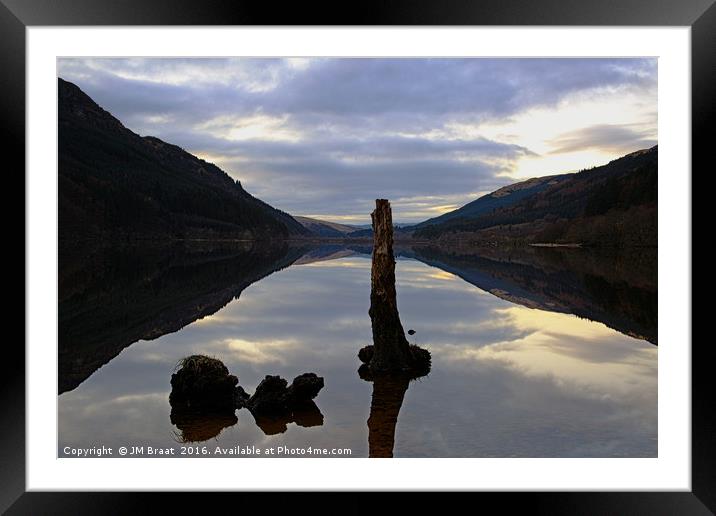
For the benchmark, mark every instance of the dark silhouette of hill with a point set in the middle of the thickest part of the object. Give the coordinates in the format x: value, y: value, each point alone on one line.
x: 115, y: 183
x: 614, y: 205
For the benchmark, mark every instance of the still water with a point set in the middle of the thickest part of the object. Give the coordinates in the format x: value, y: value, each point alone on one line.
x: 515, y: 373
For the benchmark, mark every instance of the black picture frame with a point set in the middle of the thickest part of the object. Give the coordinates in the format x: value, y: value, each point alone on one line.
x: 16, y: 15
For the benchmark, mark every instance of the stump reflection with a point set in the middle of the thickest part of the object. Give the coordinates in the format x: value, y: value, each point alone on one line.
x: 391, y: 362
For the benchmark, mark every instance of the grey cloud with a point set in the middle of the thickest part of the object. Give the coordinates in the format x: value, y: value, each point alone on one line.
x: 344, y: 175
x: 374, y: 148
x: 353, y: 116
x: 336, y: 89
x: 334, y: 187
x: 490, y: 87
x: 619, y: 139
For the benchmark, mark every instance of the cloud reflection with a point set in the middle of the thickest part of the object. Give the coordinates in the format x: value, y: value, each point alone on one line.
x: 506, y: 380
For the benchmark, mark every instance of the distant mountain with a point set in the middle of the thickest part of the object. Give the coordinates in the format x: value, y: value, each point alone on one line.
x: 502, y: 198
x: 614, y: 205
x: 324, y: 228
x: 115, y: 183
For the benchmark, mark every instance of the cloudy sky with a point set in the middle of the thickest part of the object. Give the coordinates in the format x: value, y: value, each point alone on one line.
x: 325, y: 137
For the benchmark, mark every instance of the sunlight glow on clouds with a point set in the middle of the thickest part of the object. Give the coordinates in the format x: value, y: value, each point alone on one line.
x: 256, y: 127
x: 581, y: 354
x: 327, y: 136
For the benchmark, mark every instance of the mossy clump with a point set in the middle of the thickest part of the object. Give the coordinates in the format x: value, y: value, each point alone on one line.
x: 422, y: 360
x: 203, y: 384
x: 199, y: 363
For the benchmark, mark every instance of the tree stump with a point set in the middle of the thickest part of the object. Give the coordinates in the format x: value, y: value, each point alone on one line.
x: 391, y: 350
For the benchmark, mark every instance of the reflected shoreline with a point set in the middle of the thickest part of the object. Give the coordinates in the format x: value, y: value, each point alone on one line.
x: 507, y: 380
x: 111, y: 297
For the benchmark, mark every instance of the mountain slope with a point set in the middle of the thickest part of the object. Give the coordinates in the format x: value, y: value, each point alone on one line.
x: 324, y: 228
x: 115, y: 183
x: 502, y: 198
x: 612, y: 205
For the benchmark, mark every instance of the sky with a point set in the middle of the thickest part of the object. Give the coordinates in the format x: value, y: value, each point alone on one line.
x: 324, y: 138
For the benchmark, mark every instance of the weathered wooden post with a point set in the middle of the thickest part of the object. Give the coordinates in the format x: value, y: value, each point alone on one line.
x: 391, y: 350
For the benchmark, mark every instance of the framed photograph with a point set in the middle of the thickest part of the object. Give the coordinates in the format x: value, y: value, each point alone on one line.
x: 420, y: 248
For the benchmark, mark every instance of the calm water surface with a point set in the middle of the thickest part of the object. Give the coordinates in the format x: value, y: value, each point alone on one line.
x: 508, y: 379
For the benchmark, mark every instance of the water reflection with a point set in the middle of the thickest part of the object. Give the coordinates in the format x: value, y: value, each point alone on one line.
x: 195, y: 428
x: 615, y: 287
x: 306, y: 416
x: 535, y: 382
x: 386, y: 401
x: 113, y: 296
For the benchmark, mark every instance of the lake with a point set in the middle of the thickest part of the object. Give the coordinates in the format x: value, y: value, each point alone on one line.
x: 535, y: 352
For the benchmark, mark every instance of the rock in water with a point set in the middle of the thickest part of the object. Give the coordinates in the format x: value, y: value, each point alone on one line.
x: 304, y: 388
x: 205, y: 396
x: 274, y: 396
x: 269, y: 396
x: 203, y: 385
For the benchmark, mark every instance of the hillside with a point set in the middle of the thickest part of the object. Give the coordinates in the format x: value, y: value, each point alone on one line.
x: 614, y: 205
x: 323, y: 228
x: 502, y: 198
x: 114, y: 183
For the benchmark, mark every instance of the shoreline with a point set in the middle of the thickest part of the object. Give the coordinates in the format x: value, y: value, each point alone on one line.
x: 548, y: 244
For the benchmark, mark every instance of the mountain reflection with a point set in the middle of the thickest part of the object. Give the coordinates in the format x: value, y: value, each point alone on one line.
x: 535, y: 383
x: 616, y: 288
x: 113, y: 296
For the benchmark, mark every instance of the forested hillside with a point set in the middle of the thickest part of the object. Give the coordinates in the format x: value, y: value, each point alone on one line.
x: 114, y: 183
x: 614, y: 205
